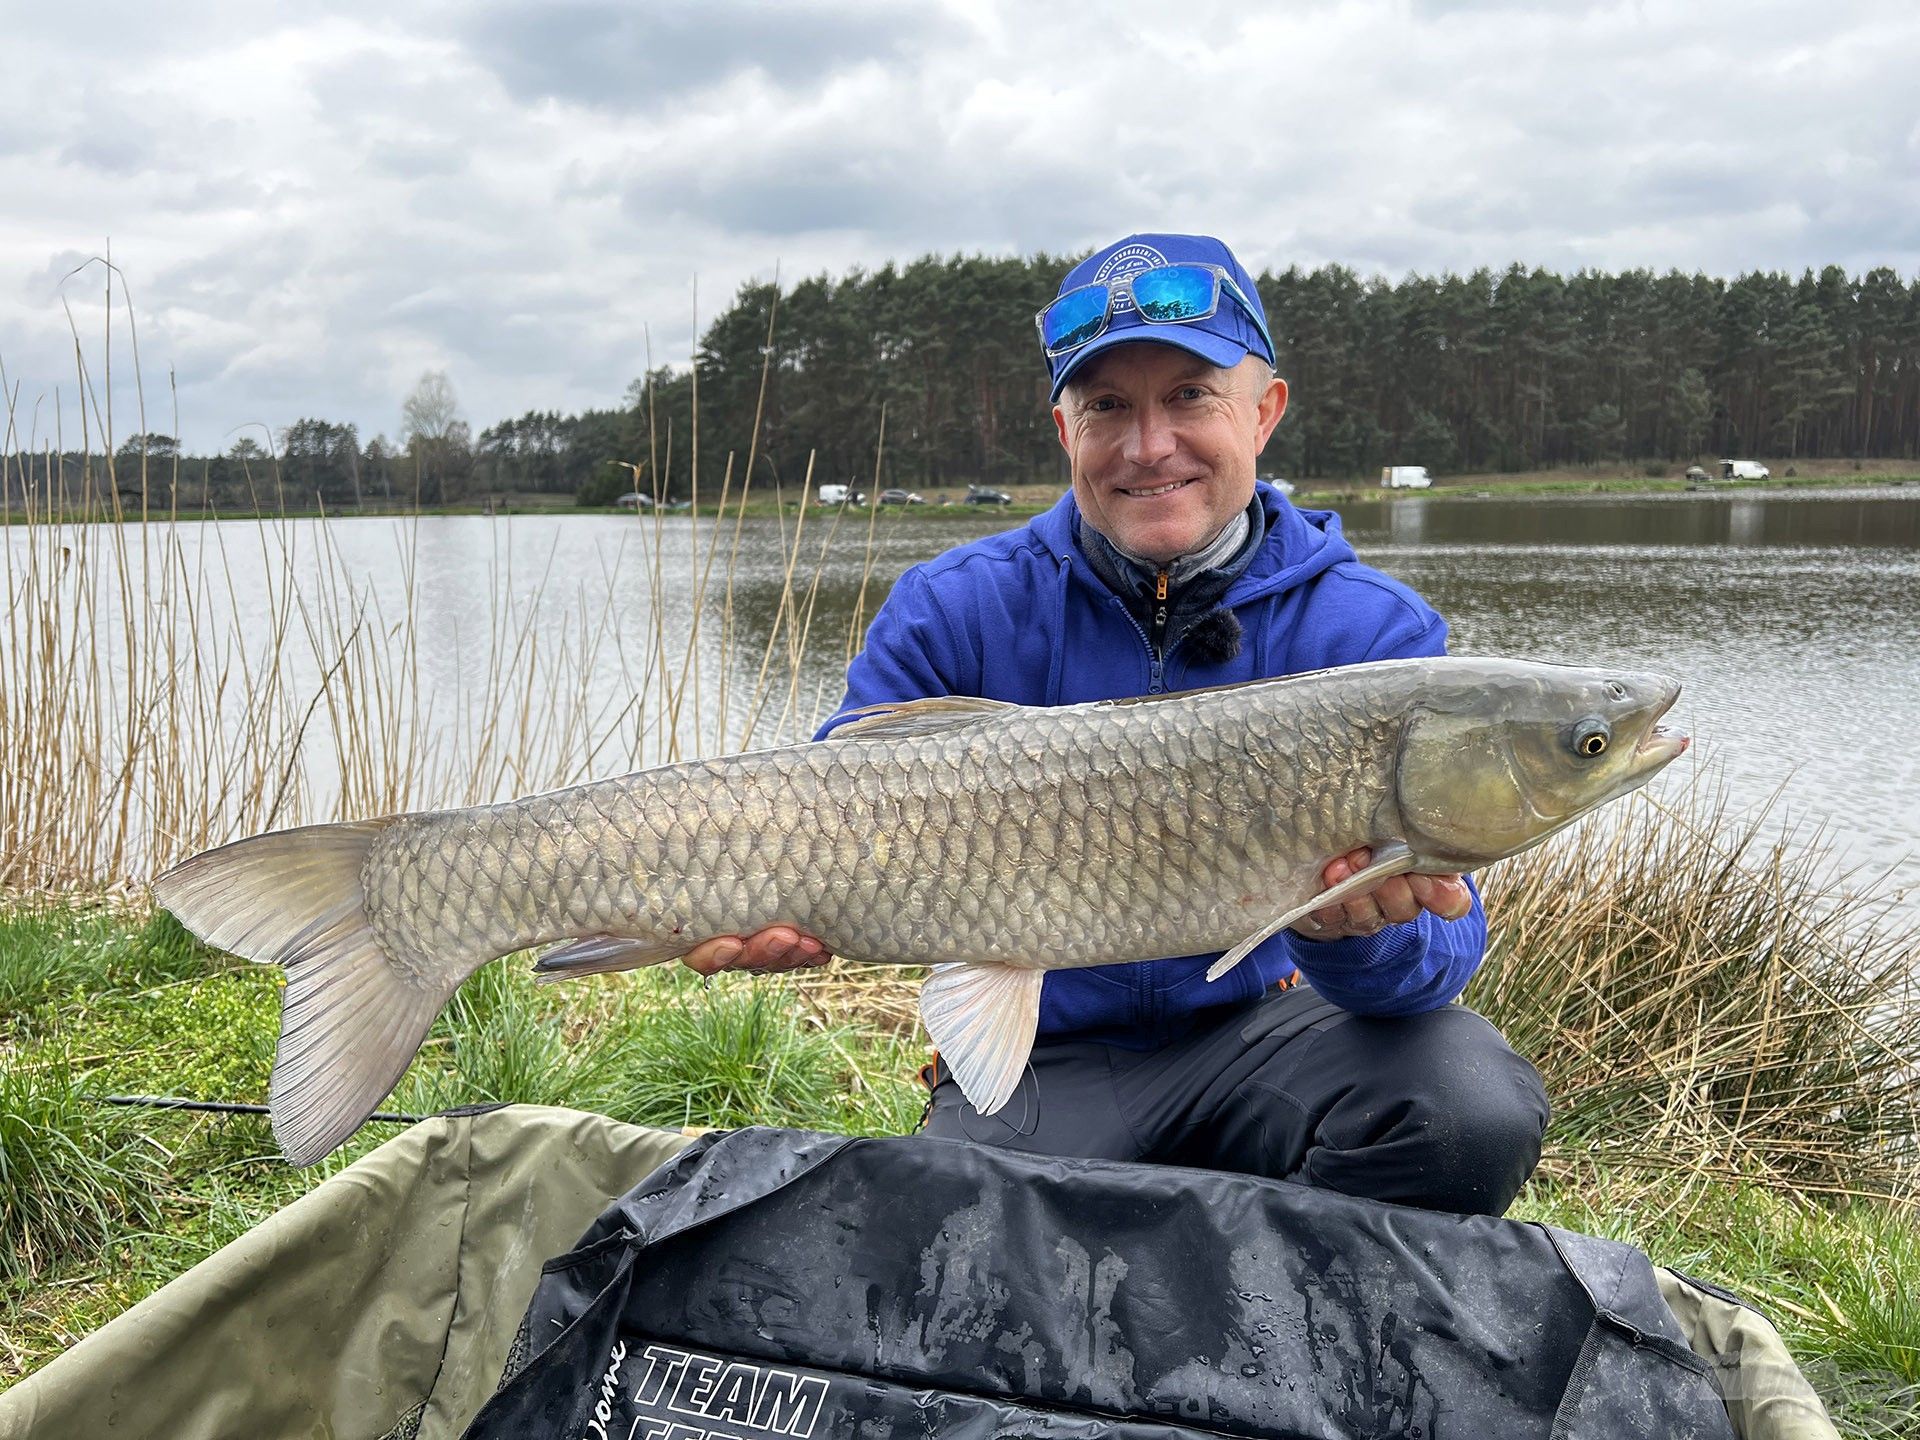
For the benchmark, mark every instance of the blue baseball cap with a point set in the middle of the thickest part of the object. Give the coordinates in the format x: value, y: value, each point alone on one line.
x: 1224, y: 338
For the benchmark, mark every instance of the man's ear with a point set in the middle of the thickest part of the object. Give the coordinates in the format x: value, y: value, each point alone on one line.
x: 1273, y: 404
x: 1060, y: 427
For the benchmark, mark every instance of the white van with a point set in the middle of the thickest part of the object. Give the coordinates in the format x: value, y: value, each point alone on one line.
x: 1743, y: 470
x: 834, y: 494
x: 1405, y: 477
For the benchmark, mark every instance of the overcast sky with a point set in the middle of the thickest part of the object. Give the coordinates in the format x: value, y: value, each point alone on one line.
x: 312, y: 208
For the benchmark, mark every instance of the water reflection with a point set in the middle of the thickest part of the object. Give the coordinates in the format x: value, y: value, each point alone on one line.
x: 1876, y: 519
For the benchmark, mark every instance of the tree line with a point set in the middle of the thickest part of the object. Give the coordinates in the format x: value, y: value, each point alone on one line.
x: 1491, y: 371
x: 929, y: 374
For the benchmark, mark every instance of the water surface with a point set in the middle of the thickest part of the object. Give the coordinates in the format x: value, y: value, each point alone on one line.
x: 1791, y: 617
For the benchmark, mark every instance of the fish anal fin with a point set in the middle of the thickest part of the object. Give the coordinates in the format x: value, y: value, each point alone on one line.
x: 929, y: 716
x: 982, y: 1020
x: 1388, y: 860
x: 602, y: 954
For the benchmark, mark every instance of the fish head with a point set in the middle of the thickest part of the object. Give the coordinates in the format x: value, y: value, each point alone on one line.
x: 1505, y: 754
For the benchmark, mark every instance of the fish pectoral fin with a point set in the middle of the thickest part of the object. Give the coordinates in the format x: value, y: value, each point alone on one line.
x: 982, y: 1019
x: 928, y: 716
x: 1388, y: 861
x: 602, y: 954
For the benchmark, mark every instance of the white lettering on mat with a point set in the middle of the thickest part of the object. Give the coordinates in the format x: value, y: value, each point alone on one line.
x: 748, y: 1402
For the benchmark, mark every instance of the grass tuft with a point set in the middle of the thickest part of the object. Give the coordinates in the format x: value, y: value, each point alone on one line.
x: 726, y: 1054
x: 74, y: 1175
x: 507, y: 1038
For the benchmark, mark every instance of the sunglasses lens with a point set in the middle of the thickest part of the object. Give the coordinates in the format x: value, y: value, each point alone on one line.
x: 1175, y: 292
x: 1075, y: 318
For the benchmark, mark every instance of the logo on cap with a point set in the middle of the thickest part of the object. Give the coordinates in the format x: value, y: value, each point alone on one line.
x: 1127, y: 260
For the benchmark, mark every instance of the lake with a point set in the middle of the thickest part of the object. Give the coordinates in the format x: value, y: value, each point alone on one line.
x: 1792, y: 618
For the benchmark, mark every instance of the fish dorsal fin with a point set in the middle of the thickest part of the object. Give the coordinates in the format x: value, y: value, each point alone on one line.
x: 899, y: 719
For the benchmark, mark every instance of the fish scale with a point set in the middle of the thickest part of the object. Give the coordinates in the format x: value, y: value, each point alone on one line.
x: 991, y: 841
x: 709, y: 850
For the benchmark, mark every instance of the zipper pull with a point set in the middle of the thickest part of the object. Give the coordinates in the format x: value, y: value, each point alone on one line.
x: 1157, y: 639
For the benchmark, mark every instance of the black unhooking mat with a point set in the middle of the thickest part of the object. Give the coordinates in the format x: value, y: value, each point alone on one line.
x: 780, y: 1283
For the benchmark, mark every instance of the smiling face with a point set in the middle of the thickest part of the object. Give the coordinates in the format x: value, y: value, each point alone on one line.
x: 1163, y: 444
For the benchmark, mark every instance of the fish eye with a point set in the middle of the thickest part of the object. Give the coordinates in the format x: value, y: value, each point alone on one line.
x: 1590, y: 737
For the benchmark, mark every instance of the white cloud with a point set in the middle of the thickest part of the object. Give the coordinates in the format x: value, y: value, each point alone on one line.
x: 312, y: 210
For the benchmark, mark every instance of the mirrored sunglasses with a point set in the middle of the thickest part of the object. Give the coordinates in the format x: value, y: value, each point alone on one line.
x: 1161, y: 295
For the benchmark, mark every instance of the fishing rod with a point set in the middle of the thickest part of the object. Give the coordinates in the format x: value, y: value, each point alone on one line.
x: 228, y: 1107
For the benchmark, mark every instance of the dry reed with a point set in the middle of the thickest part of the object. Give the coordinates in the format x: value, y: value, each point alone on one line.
x: 1706, y: 998
x: 168, y: 697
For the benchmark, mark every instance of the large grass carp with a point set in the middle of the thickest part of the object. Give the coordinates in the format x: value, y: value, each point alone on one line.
x: 992, y: 841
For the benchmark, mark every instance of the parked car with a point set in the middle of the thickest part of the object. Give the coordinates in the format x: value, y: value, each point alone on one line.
x: 980, y: 495
x: 635, y: 500
x: 1285, y: 487
x: 1405, y: 477
x: 1696, y: 476
x: 901, y: 497
x: 839, y: 495
x: 1743, y: 470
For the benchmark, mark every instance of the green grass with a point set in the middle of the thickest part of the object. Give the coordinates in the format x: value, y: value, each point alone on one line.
x: 73, y: 1175
x: 53, y: 950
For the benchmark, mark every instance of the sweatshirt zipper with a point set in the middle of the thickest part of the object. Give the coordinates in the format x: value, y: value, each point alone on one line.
x: 1148, y: 1000
x: 1154, y: 671
x: 1158, y: 640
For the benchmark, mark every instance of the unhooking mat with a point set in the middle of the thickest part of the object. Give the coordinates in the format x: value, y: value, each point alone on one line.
x: 384, y: 1303
x: 775, y: 1283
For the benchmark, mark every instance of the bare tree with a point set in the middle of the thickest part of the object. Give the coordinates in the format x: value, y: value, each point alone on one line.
x: 432, y: 411
x: 437, y: 438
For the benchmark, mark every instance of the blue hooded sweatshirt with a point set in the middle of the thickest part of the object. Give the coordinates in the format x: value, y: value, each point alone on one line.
x: 1022, y: 616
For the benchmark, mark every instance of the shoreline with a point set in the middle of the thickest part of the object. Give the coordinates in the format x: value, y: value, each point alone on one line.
x: 1032, y: 500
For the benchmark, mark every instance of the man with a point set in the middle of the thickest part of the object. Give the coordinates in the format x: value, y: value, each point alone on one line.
x: 1168, y: 567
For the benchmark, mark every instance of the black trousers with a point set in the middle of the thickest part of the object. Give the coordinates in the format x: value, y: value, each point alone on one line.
x: 1433, y: 1110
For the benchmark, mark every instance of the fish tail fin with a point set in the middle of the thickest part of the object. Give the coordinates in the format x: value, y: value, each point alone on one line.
x: 351, y: 1019
x: 982, y: 1019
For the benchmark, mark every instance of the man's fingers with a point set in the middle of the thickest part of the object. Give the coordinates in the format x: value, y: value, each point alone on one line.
x: 776, y: 948
x: 1445, y: 895
x: 714, y: 955
x: 1364, y: 916
x: 1396, y: 900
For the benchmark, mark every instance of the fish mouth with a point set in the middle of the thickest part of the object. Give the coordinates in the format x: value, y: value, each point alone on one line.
x: 1661, y: 744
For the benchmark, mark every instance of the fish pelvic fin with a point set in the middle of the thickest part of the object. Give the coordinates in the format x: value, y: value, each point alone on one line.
x: 351, y: 1019
x: 982, y: 1019
x: 1389, y: 860
x: 602, y: 954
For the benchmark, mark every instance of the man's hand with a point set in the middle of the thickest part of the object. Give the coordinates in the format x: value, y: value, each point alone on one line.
x: 776, y: 948
x: 1394, y: 901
